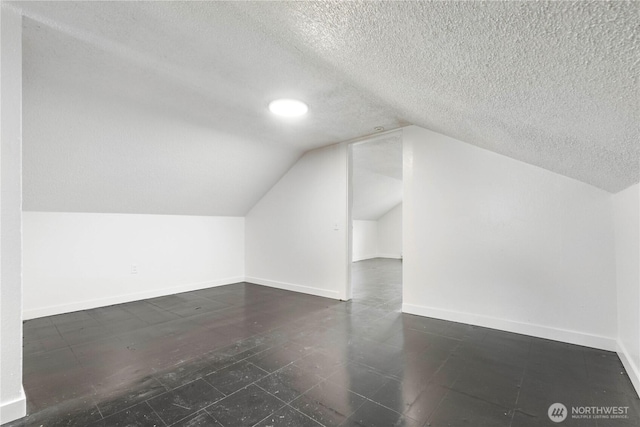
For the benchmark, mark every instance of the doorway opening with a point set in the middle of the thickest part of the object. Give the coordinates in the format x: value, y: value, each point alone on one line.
x: 375, y: 238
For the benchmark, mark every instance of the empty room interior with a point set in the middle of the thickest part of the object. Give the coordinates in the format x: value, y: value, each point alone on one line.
x: 376, y: 220
x: 319, y: 214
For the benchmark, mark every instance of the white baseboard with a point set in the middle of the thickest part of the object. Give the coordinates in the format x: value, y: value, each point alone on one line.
x: 13, y: 409
x: 295, y: 288
x: 364, y: 257
x: 390, y: 255
x: 546, y: 332
x: 630, y: 366
x: 119, y: 299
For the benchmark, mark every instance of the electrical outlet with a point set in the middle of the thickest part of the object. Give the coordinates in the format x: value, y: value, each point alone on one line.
x: 134, y: 269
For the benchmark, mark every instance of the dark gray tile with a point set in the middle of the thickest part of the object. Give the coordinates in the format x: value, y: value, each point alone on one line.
x: 280, y: 355
x: 384, y: 359
x: 73, y: 317
x: 288, y: 417
x: 610, y: 398
x: 370, y: 414
x: 415, y: 399
x: 536, y: 397
x: 328, y: 403
x: 493, y: 382
x: 321, y: 363
x: 41, y: 345
x: 289, y: 382
x: 184, y: 401
x: 43, y: 330
x: 359, y: 378
x: 127, y: 394
x: 199, y: 419
x: 59, y: 388
x: 561, y: 372
x: 111, y: 348
x: 457, y: 409
x: 149, y: 313
x: 246, y: 407
x: 45, y: 362
x: 234, y: 377
x: 186, y: 372
x: 526, y: 420
x: 86, y: 334
x: 449, y: 372
x: 41, y: 322
x: 138, y: 415
x: 607, y: 372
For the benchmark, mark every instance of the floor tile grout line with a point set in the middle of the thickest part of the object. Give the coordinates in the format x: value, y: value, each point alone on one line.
x: 154, y: 411
x: 99, y: 411
x: 384, y: 406
x: 444, y: 396
x: 524, y: 370
x: 184, y: 418
x: 239, y: 390
x: 62, y: 337
x: 305, y: 415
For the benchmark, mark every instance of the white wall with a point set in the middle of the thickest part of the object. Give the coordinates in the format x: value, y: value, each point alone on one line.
x: 12, y: 398
x: 378, y: 239
x: 84, y: 152
x: 296, y: 235
x: 496, y: 242
x: 389, y: 231
x: 364, y: 240
x: 627, y: 231
x: 75, y: 261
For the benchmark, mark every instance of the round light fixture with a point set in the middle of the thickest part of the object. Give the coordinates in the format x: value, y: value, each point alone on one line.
x: 288, y: 107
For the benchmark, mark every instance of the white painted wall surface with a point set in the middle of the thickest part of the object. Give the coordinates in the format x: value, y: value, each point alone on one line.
x: 364, y: 240
x: 626, y: 205
x: 296, y: 235
x: 86, y: 152
x: 75, y: 261
x: 390, y: 233
x: 12, y: 397
x: 496, y: 242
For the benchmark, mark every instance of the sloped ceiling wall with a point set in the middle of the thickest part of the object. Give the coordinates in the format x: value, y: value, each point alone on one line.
x: 377, y: 177
x: 554, y: 84
x: 144, y: 107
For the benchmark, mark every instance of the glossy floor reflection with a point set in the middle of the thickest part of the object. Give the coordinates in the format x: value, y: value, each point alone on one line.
x: 243, y: 355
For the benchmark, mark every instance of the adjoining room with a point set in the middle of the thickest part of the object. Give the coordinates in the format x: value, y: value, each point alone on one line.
x: 376, y: 225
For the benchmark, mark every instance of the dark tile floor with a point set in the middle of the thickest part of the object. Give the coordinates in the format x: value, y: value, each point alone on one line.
x: 243, y: 355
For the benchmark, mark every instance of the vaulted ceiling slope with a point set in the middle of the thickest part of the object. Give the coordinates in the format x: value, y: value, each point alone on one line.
x: 554, y: 84
x: 156, y: 107
x: 376, y: 176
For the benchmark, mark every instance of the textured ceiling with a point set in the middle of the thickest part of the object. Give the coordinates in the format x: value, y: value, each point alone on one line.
x: 554, y: 84
x: 204, y: 61
x: 377, y: 177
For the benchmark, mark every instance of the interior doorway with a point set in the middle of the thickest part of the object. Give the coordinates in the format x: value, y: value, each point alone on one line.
x: 375, y: 238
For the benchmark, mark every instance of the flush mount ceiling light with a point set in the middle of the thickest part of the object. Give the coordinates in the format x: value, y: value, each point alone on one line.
x: 288, y: 107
